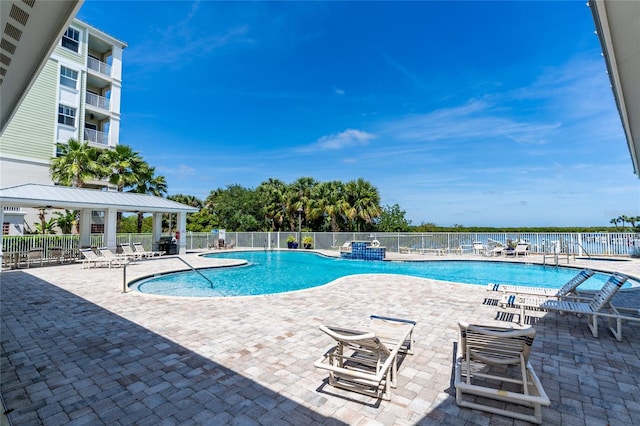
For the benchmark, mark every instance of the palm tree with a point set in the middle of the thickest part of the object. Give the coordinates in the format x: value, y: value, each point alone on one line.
x: 66, y: 220
x: 624, y: 219
x: 272, y: 194
x: 150, y: 184
x: 76, y: 164
x: 328, y: 201
x: 363, y: 203
x: 298, y: 196
x: 189, y: 200
x: 614, y: 222
x: 125, y: 167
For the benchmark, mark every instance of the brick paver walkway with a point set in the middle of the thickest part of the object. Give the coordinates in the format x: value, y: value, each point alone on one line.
x: 76, y: 350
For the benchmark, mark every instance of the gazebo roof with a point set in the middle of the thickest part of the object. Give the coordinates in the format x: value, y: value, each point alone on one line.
x: 64, y: 197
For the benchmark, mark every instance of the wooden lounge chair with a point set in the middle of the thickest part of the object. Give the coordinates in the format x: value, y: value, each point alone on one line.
x: 494, y: 363
x: 365, y: 360
x: 510, y: 291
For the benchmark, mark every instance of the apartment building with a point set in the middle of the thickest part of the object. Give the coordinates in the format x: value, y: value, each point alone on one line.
x: 77, y: 95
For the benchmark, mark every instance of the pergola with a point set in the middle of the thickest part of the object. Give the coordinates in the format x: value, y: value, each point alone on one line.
x: 89, y: 200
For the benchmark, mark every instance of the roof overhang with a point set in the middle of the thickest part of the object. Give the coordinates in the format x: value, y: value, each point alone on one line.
x: 30, y: 31
x: 64, y: 197
x: 618, y: 28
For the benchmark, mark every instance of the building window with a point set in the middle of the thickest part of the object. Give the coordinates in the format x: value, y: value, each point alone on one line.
x: 97, y: 228
x: 71, y: 39
x: 68, y: 77
x: 66, y: 115
x: 5, y: 228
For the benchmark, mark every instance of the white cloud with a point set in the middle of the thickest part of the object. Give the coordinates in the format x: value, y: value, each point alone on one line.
x: 348, y: 138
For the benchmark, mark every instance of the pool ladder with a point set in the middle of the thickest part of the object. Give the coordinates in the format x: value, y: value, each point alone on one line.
x: 124, y: 270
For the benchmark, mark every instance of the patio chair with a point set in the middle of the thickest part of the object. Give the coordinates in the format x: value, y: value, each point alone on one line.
x: 493, y: 363
x: 129, y: 253
x: 521, y: 249
x: 34, y: 256
x: 90, y: 257
x: 599, y: 305
x: 116, y: 259
x: 138, y: 248
x: 365, y: 360
x: 567, y: 289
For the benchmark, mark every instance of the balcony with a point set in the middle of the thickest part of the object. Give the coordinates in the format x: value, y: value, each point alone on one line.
x: 101, y: 67
x: 96, y: 137
x: 97, y: 101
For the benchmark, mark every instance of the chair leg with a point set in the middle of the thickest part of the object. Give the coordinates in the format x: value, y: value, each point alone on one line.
x: 593, y: 324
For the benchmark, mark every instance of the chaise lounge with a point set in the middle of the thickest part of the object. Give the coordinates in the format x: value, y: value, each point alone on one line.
x: 493, y: 363
x: 365, y: 360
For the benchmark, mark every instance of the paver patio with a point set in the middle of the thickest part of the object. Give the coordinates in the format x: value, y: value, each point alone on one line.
x: 76, y: 350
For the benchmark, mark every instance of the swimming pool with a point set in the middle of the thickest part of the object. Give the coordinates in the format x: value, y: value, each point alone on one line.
x: 269, y: 272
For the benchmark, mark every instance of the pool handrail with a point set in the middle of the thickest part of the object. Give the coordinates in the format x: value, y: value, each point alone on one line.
x: 124, y: 270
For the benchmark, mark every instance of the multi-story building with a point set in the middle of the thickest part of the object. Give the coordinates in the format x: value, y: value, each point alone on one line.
x: 76, y: 96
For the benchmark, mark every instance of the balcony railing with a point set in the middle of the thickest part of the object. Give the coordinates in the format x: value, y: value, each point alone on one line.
x: 97, y: 101
x: 99, y: 66
x: 95, y: 136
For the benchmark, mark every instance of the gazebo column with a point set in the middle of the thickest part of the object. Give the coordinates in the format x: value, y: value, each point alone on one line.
x: 156, y: 230
x: 110, y: 225
x: 1, y: 233
x: 85, y: 228
x: 182, y: 229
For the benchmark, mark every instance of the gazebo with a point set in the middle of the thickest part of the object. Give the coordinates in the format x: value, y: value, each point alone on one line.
x: 89, y: 200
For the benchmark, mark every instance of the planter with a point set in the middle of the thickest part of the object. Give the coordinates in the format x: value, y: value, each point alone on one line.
x: 289, y: 244
x: 307, y: 246
x: 294, y: 245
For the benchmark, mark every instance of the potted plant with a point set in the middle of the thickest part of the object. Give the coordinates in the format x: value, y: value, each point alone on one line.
x: 290, y: 241
x: 307, y: 242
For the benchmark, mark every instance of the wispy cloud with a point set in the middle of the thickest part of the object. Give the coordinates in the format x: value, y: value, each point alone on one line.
x: 348, y: 138
x: 404, y: 71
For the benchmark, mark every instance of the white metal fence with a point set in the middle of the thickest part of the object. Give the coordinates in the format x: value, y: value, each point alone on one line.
x: 579, y: 244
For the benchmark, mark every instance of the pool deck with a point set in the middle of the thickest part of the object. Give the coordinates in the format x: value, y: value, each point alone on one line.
x: 76, y: 350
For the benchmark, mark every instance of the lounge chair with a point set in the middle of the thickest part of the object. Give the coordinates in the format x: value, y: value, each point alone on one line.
x: 365, y: 360
x: 90, y: 257
x: 138, y: 248
x: 479, y: 248
x: 599, y: 305
x: 116, y: 259
x: 129, y: 253
x: 521, y: 249
x: 494, y: 363
x: 510, y: 291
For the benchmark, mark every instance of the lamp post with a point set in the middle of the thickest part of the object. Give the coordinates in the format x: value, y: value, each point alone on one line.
x: 300, y: 210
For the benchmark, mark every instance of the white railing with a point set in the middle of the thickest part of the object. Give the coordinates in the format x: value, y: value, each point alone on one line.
x: 97, y: 101
x: 99, y: 66
x: 95, y: 136
x: 593, y: 244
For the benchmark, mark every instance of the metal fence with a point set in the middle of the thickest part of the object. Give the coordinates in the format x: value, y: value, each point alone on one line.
x: 578, y: 244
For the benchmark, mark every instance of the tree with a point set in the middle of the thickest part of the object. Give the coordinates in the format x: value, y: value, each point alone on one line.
x: 298, y: 196
x: 328, y: 202
x: 46, y: 227
x: 392, y: 220
x: 66, y: 220
x: 150, y: 184
x: 76, y: 164
x: 272, y: 194
x: 614, y: 222
x: 363, y: 203
x: 125, y: 166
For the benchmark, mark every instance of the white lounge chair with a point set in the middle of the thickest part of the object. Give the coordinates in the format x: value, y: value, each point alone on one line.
x: 91, y: 258
x: 364, y: 360
x: 138, y: 248
x: 599, y: 306
x: 129, y: 253
x: 510, y: 291
x: 116, y: 259
x: 482, y: 370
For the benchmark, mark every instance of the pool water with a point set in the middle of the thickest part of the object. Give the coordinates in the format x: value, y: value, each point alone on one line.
x: 281, y: 271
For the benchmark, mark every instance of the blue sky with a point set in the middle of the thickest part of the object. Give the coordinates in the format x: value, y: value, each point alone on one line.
x: 474, y: 113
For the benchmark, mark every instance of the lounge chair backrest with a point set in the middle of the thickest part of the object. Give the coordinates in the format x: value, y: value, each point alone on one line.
x: 496, y: 346
x: 89, y: 253
x: 356, y: 340
x: 604, y: 295
x: 126, y: 248
x: 574, y: 282
x: 137, y: 247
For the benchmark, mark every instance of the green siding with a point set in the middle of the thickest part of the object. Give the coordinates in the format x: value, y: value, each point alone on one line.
x: 31, y: 132
x: 70, y: 54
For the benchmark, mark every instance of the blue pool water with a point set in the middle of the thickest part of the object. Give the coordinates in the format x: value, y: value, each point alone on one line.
x: 281, y: 271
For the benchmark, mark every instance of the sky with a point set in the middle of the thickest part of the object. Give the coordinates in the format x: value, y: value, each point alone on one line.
x: 470, y: 113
